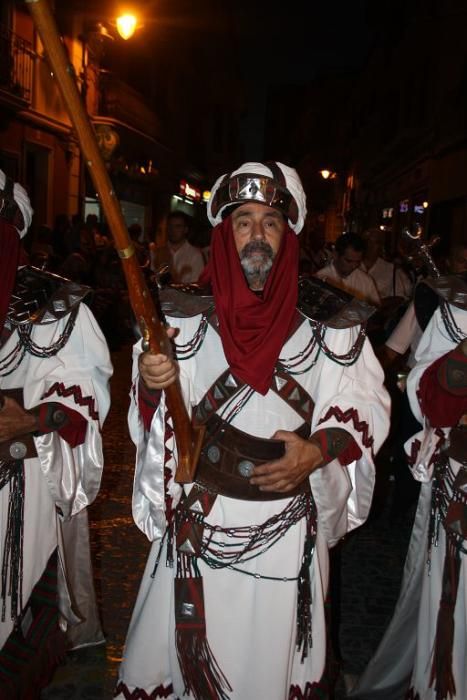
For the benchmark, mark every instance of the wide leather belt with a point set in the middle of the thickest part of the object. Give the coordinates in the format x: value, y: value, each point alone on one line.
x: 229, y: 456
x: 22, y: 447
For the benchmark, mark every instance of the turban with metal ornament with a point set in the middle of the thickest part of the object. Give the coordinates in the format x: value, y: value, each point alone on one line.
x: 273, y: 184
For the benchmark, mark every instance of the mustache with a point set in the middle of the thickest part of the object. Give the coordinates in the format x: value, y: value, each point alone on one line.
x: 254, y: 247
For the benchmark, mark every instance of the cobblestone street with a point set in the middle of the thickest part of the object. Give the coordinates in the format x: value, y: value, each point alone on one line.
x: 371, y: 565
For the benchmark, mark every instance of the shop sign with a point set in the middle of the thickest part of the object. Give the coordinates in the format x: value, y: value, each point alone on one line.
x: 189, y: 191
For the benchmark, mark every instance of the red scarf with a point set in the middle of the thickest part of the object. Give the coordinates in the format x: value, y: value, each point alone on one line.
x: 9, y: 256
x: 253, y: 328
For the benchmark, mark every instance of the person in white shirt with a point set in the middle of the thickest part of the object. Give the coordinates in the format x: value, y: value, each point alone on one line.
x: 390, y: 280
x: 345, y: 273
x: 184, y: 261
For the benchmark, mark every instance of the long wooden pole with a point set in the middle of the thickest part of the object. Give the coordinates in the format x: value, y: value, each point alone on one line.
x: 155, y: 338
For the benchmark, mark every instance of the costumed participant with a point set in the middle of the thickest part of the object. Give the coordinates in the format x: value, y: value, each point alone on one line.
x: 344, y: 271
x: 231, y: 604
x: 423, y: 653
x: 54, y: 372
x: 391, y: 281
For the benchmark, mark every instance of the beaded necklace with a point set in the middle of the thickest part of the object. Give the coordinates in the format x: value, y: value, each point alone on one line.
x: 453, y: 330
x: 25, y: 345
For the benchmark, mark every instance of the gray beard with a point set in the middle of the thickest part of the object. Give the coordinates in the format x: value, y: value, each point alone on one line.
x: 256, y: 259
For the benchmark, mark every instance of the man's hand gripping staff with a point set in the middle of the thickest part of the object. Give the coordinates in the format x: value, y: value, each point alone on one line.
x: 155, y: 338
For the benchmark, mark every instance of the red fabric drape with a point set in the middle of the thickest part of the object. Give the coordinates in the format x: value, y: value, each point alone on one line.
x: 442, y: 407
x: 253, y: 328
x: 9, y: 256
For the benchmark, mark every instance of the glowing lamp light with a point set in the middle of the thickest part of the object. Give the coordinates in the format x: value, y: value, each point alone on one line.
x: 425, y: 205
x: 206, y: 195
x: 126, y: 26
x: 328, y: 174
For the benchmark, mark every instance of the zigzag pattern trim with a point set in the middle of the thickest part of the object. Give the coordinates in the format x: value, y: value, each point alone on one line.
x: 360, y: 426
x: 140, y: 694
x: 313, y: 691
x: 414, y: 449
x: 61, y: 390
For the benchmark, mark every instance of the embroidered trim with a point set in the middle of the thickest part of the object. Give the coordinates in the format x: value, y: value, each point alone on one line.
x: 313, y: 691
x: 75, y: 391
x: 168, y: 454
x: 140, y: 694
x: 414, y: 450
x: 360, y: 426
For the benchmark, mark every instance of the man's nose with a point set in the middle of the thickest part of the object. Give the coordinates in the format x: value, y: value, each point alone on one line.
x: 257, y: 232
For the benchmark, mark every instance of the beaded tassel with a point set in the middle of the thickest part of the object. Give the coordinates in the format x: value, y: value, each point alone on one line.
x: 12, y: 564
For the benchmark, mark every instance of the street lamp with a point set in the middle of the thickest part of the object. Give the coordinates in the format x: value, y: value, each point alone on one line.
x: 126, y: 25
x: 328, y: 174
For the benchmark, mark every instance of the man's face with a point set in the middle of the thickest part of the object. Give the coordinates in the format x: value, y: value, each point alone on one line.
x: 258, y: 231
x: 177, y: 230
x: 346, y: 263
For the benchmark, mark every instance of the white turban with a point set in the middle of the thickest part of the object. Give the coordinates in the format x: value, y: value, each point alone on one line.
x: 292, y: 181
x: 22, y: 200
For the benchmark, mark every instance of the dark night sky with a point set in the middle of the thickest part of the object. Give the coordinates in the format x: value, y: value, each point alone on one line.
x: 299, y: 38
x: 273, y: 44
x: 292, y: 44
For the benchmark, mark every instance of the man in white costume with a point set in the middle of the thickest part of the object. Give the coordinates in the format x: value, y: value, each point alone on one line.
x: 391, y: 281
x: 54, y: 372
x: 345, y: 272
x: 423, y: 653
x: 231, y: 604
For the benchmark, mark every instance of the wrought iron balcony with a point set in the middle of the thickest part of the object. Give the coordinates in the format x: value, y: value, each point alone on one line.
x: 121, y: 102
x: 16, y: 67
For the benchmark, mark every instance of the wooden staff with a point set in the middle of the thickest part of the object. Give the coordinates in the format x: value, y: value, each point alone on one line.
x: 155, y: 338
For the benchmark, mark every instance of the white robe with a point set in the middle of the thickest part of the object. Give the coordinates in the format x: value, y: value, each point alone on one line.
x: 60, y: 476
x: 251, y: 623
x: 404, y: 657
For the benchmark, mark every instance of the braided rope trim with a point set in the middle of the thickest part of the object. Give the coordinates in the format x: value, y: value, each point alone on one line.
x: 75, y: 391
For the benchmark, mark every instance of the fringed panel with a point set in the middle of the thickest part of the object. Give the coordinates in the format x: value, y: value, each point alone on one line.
x: 29, y: 658
x: 201, y: 673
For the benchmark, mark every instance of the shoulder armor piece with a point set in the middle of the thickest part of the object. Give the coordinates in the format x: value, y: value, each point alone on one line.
x: 185, y: 300
x: 322, y: 303
x: 451, y: 288
x: 428, y: 293
x: 41, y: 297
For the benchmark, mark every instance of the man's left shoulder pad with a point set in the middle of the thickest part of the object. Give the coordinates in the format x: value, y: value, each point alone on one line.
x: 322, y: 303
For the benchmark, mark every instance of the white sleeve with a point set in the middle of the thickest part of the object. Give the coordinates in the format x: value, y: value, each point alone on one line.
x: 352, y: 398
x: 404, y: 333
x: 78, y: 377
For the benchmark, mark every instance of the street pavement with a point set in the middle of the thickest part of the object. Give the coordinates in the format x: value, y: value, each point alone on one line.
x: 370, y: 567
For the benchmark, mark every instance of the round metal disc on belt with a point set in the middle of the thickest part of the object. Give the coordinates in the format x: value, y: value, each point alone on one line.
x: 214, y: 454
x: 245, y: 468
x: 18, y: 450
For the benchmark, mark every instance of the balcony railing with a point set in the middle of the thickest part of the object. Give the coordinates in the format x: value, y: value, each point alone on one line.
x: 119, y: 101
x: 16, y: 65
